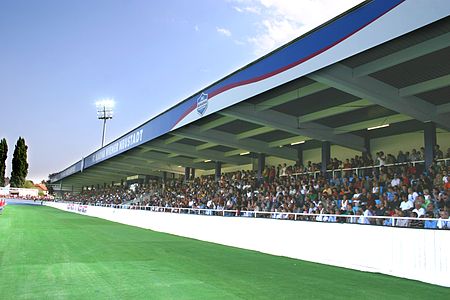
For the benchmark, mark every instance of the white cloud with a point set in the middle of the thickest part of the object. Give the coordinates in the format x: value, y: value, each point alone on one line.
x: 283, y: 20
x: 196, y: 28
x: 253, y: 9
x: 250, y: 9
x: 223, y: 31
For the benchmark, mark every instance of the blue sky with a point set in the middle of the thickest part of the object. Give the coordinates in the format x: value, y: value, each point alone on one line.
x: 57, y: 58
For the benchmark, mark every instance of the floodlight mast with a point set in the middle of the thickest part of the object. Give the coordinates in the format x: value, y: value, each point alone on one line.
x: 104, y: 112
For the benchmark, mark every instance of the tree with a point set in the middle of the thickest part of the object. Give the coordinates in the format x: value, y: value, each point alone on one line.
x: 3, y: 156
x: 29, y: 184
x: 19, y: 164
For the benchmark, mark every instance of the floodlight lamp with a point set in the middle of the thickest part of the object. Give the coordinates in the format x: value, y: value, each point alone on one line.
x: 105, y: 108
x: 105, y: 103
x: 104, y: 114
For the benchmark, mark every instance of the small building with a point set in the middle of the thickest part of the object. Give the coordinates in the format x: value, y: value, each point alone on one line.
x: 42, y: 188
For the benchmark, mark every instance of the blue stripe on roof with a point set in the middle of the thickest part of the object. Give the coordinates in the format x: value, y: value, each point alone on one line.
x: 297, y: 50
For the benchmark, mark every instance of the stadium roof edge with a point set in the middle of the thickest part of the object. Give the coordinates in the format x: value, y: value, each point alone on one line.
x: 135, y: 137
x: 245, y: 67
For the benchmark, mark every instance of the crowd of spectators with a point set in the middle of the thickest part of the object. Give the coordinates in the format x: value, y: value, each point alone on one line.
x: 106, y: 195
x: 359, y: 161
x: 389, y: 192
x: 29, y: 197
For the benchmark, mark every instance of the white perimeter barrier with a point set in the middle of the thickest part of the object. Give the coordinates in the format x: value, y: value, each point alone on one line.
x: 417, y: 254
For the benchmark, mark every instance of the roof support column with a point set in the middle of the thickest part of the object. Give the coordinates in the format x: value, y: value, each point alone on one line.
x: 367, y: 144
x: 187, y: 172
x: 366, y: 154
x: 429, y: 142
x: 218, y: 170
x: 326, y: 154
x: 261, y: 165
x: 164, y: 176
x: 300, y: 155
x: 192, y: 173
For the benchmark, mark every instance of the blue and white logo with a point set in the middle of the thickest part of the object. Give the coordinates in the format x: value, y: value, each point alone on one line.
x: 202, y: 103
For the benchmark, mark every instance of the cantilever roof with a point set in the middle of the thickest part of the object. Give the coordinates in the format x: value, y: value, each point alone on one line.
x: 383, y: 61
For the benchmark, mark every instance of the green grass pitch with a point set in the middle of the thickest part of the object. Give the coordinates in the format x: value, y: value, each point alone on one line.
x: 49, y: 254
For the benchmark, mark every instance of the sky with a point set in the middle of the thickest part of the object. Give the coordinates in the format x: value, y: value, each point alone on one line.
x: 57, y: 58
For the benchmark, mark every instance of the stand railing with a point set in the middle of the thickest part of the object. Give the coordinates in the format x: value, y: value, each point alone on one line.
x: 359, y: 171
x: 393, y: 221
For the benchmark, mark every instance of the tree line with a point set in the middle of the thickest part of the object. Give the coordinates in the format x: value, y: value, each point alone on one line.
x: 19, y: 163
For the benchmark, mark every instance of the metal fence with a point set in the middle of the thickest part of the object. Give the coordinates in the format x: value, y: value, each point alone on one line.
x: 427, y: 223
x: 365, y: 171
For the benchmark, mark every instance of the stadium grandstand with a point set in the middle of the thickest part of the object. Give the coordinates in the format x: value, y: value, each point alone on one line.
x: 348, y: 123
x: 311, y: 100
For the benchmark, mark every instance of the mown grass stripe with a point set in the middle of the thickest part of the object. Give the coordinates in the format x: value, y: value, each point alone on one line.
x: 51, y: 254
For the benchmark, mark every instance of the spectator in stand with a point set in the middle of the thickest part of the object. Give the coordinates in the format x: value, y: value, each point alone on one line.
x: 412, y: 195
x: 407, y: 156
x: 356, y: 197
x: 416, y: 223
x: 438, y: 152
x: 348, y: 211
x: 266, y: 173
x: 419, y: 210
x: 422, y: 153
x: 283, y: 170
x: 411, y: 170
x: 380, y: 160
x: 272, y: 174
x: 443, y: 222
x: 430, y: 224
x: 414, y: 156
x: 443, y: 198
x: 360, y: 216
x: 334, y: 163
x: 445, y: 180
x: 375, y: 188
x: 390, y: 159
x: 395, y: 181
x: 393, y: 198
x: 401, y: 158
x: 367, y: 159
x: 379, y: 211
x: 400, y: 222
x: 347, y: 165
x: 406, y: 205
x: 368, y: 212
x: 426, y: 196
